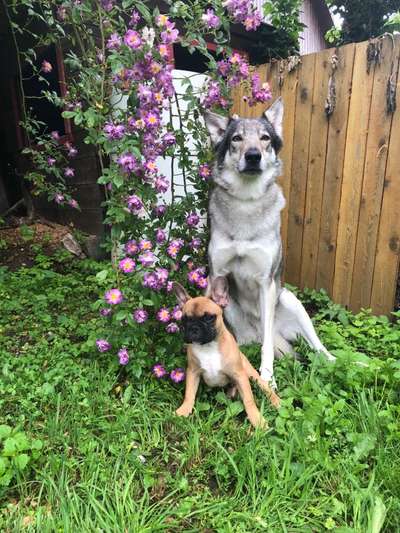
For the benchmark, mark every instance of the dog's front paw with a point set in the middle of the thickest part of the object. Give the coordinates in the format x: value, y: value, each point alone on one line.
x: 184, y: 410
x: 268, y: 376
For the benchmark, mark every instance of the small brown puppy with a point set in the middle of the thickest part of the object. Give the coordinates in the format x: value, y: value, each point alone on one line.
x: 213, y: 353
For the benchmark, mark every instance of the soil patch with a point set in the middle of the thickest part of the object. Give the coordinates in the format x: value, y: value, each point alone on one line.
x: 20, y: 245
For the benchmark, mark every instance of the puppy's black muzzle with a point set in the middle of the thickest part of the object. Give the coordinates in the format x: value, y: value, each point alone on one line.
x: 200, y: 330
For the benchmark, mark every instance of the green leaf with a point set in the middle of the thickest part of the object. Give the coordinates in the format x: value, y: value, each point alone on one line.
x: 5, y: 431
x: 9, y: 447
x: 21, y: 461
x: 102, y: 275
x: 234, y: 408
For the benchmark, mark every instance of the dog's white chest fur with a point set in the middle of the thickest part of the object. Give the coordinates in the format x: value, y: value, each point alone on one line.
x: 210, y: 361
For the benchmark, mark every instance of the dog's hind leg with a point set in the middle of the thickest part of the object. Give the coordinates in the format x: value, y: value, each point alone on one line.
x: 292, y: 320
x: 282, y: 346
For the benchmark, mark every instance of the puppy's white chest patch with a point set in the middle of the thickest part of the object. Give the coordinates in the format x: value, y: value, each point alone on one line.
x: 210, y: 361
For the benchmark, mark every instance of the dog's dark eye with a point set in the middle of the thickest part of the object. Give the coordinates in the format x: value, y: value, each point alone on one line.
x: 237, y: 138
x: 265, y: 138
x: 208, y: 319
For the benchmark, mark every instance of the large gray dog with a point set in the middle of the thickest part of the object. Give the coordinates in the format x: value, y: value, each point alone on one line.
x: 245, y: 245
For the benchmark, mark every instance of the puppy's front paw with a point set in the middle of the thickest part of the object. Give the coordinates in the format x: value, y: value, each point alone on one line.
x: 184, y: 410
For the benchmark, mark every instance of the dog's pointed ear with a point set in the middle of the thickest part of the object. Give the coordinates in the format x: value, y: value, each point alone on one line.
x: 275, y: 115
x: 180, y: 293
x: 219, y: 291
x: 216, y: 126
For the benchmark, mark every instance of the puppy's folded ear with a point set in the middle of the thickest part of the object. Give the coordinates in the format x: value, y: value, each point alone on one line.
x: 180, y: 293
x: 219, y: 291
x: 216, y: 125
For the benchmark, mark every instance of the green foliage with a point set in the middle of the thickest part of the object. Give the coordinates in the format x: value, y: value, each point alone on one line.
x: 362, y: 19
x: 116, y: 457
x: 16, y: 452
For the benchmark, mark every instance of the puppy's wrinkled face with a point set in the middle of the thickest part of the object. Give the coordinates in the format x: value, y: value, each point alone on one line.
x: 201, y: 320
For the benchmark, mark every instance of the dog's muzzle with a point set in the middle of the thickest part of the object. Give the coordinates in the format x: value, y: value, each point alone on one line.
x: 253, y: 159
x: 199, y: 330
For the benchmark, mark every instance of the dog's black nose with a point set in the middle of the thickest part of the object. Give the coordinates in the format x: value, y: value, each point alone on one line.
x: 252, y: 156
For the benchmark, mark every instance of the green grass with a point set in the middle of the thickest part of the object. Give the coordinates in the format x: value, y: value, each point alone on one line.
x: 116, y: 458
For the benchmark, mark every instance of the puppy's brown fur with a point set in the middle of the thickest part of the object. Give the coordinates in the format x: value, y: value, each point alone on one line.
x: 234, y: 367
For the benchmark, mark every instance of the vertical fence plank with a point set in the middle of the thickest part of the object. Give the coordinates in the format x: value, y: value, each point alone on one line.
x: 334, y: 169
x: 353, y: 171
x: 299, y: 168
x: 372, y: 188
x: 316, y: 169
x: 388, y: 244
x: 340, y: 229
x: 288, y: 94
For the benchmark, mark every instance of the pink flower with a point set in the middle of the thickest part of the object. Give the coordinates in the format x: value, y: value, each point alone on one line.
x: 210, y: 19
x: 103, y: 345
x: 128, y: 162
x: 151, y: 281
x: 132, y: 39
x: 159, y: 210
x: 134, y: 203
x: 140, y: 316
x: 162, y: 20
x: 169, y: 287
x: 160, y: 235
x: 195, y: 243
x: 163, y: 50
x: 59, y: 198
x: 204, y: 171
x: 113, y: 296
x: 114, y: 41
x: 150, y: 166
x: 192, y: 219
x: 51, y: 161
x: 161, y: 184
x: 135, y: 18
x: 162, y: 275
x: 177, y: 375
x: 105, y: 311
x: 193, y: 276
x: 72, y: 151
x: 131, y: 247
x: 123, y: 356
x: 73, y: 203
x: 159, y: 371
x: 163, y: 315
x: 223, y: 67
x: 172, y: 328
x: 69, y: 172
x: 174, y: 248
x: 152, y: 119
x: 169, y: 139
x: 176, y: 313
x: 114, y: 131
x: 202, y: 283
x: 145, y: 244
x: 147, y: 259
x: 46, y: 66
x: 170, y: 34
x: 55, y: 135
x: 127, y: 265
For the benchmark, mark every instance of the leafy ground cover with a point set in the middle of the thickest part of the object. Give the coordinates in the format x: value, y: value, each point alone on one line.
x: 86, y: 446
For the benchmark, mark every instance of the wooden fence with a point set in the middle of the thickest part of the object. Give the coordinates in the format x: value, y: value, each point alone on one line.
x: 341, y: 154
